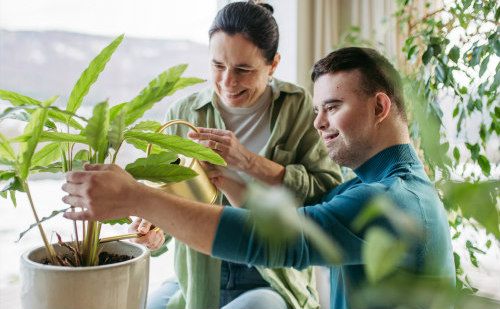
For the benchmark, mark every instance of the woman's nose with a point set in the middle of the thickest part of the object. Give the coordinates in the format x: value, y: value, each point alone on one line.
x: 228, y: 78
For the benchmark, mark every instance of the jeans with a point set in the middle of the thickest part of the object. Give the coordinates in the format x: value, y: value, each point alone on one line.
x: 241, y: 287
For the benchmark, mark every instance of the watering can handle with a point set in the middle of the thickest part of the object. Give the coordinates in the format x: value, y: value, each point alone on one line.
x: 168, y: 124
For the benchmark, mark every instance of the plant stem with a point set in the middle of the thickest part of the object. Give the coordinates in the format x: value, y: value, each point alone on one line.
x: 50, y: 250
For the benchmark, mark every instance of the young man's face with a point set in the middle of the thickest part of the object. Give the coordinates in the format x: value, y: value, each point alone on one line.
x: 345, y: 117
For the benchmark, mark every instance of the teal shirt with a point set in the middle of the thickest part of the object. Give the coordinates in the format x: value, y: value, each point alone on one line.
x: 395, y: 172
x: 293, y: 143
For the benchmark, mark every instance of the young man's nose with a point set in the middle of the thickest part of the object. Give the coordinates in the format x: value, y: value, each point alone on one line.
x: 321, y: 121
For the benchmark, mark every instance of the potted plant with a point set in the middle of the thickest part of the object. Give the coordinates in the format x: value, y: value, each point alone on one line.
x: 49, y: 279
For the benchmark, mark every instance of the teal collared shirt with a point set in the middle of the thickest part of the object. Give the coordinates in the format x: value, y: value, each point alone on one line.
x: 396, y: 173
x: 293, y: 143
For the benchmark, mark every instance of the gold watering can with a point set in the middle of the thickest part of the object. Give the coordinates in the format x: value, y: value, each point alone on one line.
x: 198, y: 188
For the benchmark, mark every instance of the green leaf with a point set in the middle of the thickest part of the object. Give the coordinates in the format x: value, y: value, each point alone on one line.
x: 467, y: 3
x: 474, y: 150
x: 17, y: 99
x: 484, y: 66
x: 381, y: 253
x: 115, y: 110
x: 484, y: 163
x: 179, y: 145
x: 454, y: 54
x: 46, y: 155
x: 53, y: 137
x: 14, y: 184
x: 157, y: 168
x: 82, y: 155
x: 440, y: 73
x: 90, y: 75
x: 456, y: 154
x: 147, y: 125
x: 50, y: 168
x: 34, y: 131
x: 426, y: 57
x: 13, y: 197
x: 97, y: 129
x: 117, y: 221
x: 165, y: 84
x: 476, y: 201
x: 116, y: 130
x: 6, y: 175
x: 52, y: 215
x: 6, y: 150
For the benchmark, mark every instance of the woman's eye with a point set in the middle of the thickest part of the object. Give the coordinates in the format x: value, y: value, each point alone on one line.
x: 240, y: 70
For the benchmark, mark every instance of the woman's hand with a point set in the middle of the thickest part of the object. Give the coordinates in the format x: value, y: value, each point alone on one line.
x: 227, y: 181
x: 225, y: 143
x: 152, y: 239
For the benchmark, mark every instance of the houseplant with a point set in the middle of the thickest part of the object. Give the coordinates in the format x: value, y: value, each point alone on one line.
x: 102, y: 135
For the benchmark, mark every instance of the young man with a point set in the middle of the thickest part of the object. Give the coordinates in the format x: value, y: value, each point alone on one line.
x: 360, y: 112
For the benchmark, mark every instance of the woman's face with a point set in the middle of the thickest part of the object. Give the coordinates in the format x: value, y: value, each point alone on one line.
x: 238, y: 69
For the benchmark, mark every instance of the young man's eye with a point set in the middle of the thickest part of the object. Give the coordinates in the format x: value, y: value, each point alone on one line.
x: 331, y: 107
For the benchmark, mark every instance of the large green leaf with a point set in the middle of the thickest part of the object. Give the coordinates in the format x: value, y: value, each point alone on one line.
x: 34, y: 131
x: 158, y: 168
x: 55, y: 114
x: 477, y: 201
x: 6, y: 150
x: 381, y: 253
x: 165, y: 84
x: 179, y: 145
x: 53, y: 137
x: 90, y: 75
x: 17, y: 99
x: 116, y: 129
x: 143, y: 146
x: 148, y: 125
x: 97, y: 129
x: 46, y: 155
x: 162, y: 173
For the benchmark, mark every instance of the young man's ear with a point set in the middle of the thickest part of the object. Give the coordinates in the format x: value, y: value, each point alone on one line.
x: 382, y: 106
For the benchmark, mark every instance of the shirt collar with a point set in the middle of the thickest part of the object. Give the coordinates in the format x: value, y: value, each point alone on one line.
x: 378, y: 166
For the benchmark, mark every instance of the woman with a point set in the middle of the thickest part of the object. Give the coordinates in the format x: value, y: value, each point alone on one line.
x: 263, y: 128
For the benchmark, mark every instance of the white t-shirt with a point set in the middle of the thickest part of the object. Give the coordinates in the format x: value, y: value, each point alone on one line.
x: 250, y: 125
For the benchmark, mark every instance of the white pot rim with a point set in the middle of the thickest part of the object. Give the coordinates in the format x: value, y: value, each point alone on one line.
x: 32, y: 264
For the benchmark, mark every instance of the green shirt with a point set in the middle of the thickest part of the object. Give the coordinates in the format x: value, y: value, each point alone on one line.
x: 293, y: 143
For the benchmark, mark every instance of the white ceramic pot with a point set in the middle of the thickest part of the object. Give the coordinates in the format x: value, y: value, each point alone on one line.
x: 120, y: 285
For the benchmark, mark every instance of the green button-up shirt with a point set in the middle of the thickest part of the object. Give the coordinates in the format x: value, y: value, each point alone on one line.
x: 293, y: 143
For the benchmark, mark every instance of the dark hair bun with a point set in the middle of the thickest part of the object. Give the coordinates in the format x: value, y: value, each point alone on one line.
x: 267, y: 6
x: 262, y: 4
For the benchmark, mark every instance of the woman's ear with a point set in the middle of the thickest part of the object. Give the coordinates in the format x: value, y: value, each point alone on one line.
x: 382, y: 106
x: 274, y: 64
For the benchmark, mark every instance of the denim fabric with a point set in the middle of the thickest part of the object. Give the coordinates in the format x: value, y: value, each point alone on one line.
x: 241, y: 287
x: 160, y: 297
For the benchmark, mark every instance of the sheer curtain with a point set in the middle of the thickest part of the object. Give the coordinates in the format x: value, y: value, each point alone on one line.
x: 321, y: 24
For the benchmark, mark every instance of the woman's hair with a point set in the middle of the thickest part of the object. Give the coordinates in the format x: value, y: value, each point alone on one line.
x: 254, y: 20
